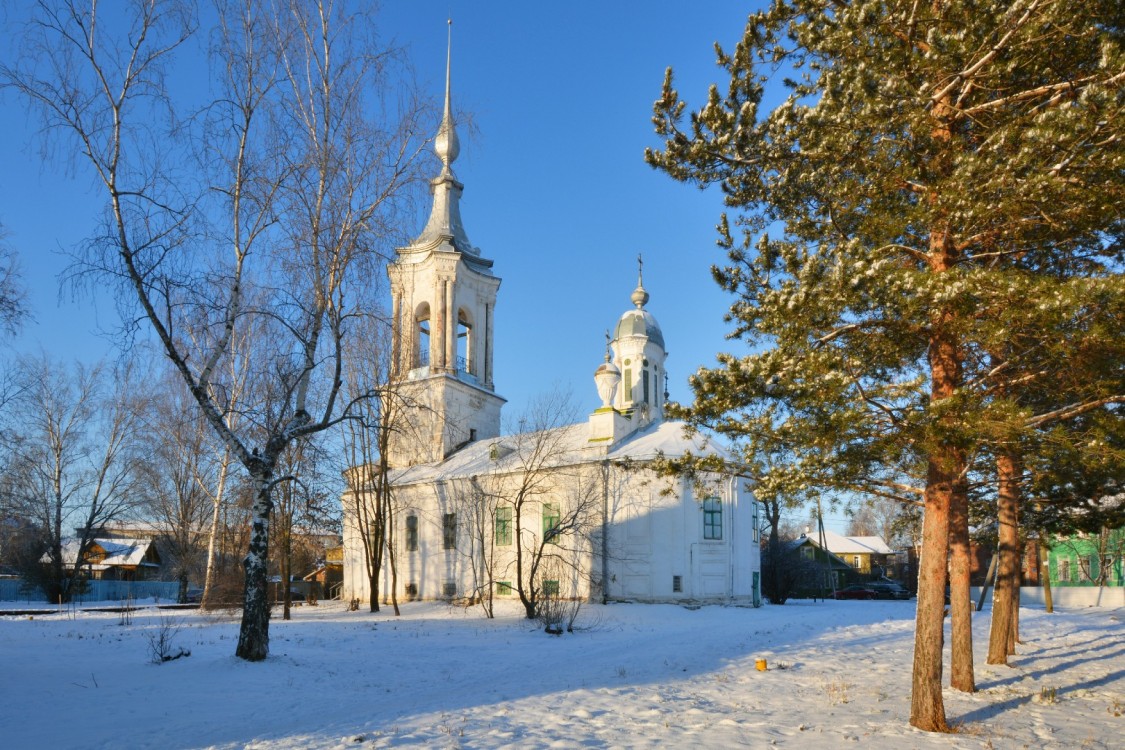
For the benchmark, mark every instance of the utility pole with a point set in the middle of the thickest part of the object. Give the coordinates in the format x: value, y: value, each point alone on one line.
x: 824, y: 547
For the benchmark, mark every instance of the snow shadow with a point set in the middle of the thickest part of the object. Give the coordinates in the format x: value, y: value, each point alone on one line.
x: 1091, y: 655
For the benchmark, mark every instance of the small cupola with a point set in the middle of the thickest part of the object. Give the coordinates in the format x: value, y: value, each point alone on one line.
x: 638, y: 345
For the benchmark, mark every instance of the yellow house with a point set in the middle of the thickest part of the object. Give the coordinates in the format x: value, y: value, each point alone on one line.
x: 868, y: 555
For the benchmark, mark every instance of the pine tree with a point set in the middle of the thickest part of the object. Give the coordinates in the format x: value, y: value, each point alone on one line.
x: 1045, y: 383
x: 929, y: 158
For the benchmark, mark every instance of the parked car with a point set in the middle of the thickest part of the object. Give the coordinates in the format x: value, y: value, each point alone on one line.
x: 194, y: 595
x: 889, y: 590
x: 295, y: 595
x: 855, y: 591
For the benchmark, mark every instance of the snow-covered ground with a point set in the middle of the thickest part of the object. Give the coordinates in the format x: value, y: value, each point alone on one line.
x: 634, y: 676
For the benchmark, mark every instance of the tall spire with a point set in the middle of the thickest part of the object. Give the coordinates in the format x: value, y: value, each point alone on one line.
x: 444, y: 231
x: 446, y: 144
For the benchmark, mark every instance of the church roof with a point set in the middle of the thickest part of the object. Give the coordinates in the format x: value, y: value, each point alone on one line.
x: 639, y: 322
x: 566, y: 446
x: 668, y: 439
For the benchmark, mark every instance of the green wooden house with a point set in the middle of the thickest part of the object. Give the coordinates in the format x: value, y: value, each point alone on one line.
x: 1094, y: 559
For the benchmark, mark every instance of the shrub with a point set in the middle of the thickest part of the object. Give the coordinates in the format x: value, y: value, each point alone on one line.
x: 161, y: 642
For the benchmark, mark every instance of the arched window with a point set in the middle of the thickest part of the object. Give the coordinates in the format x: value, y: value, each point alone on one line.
x: 422, y: 329
x: 644, y: 383
x: 411, y: 533
x: 464, y: 343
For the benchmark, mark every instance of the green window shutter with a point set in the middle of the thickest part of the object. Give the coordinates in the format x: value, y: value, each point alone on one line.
x: 551, y: 518
x: 411, y: 533
x: 449, y: 530
x: 503, y: 526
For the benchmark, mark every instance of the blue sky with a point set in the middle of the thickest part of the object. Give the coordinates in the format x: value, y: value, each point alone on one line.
x: 556, y: 189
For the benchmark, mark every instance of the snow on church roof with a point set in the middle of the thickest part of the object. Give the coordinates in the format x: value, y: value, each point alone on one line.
x: 567, y: 446
x: 665, y: 438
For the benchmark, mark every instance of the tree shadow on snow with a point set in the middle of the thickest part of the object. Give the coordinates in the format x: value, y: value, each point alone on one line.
x: 1035, y: 674
x: 992, y: 710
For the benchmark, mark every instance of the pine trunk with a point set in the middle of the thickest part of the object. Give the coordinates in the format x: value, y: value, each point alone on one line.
x: 943, y: 472
x: 961, y: 607
x: 254, y: 633
x: 927, y: 708
x: 1017, y: 586
x: 1007, y: 579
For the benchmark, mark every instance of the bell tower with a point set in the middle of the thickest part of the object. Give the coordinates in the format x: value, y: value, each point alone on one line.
x: 443, y: 300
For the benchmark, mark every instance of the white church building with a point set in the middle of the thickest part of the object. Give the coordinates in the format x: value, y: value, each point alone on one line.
x: 575, y: 510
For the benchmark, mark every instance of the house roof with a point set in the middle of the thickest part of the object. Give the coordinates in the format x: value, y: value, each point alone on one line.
x: 118, y: 552
x: 851, y: 545
x: 562, y: 446
x: 834, y: 559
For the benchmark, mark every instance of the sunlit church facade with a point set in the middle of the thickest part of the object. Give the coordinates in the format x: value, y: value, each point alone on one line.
x: 472, y: 507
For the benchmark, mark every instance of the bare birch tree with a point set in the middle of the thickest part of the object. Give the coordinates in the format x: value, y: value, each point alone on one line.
x: 549, y: 498
x: 13, y: 298
x: 74, y: 464
x: 177, y: 471
x: 300, y: 164
x: 228, y: 393
x: 368, y: 501
x: 302, y: 512
x: 483, y: 537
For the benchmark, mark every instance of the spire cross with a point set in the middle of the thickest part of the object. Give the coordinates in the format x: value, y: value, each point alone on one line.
x: 640, y: 296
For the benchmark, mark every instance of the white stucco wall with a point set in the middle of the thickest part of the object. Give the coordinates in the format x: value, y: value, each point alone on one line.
x: 655, y: 532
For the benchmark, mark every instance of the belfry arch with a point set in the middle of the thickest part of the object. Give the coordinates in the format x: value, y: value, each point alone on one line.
x: 421, y: 339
